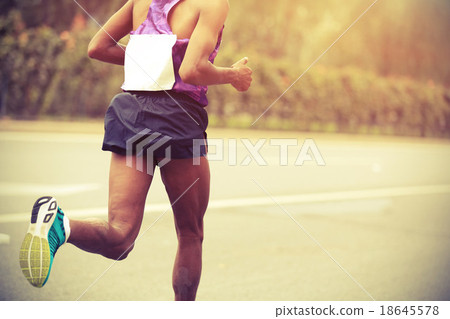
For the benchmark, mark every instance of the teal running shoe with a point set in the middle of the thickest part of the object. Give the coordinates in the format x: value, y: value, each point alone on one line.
x: 48, y: 230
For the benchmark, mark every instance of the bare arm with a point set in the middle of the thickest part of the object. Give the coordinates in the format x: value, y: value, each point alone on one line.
x: 196, y: 68
x: 104, y: 45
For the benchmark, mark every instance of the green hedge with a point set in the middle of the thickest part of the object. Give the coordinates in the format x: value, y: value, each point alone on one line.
x: 334, y: 100
x: 46, y: 73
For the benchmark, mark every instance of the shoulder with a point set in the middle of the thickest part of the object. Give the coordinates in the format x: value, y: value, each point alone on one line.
x: 213, y: 6
x: 213, y: 12
x: 140, y: 3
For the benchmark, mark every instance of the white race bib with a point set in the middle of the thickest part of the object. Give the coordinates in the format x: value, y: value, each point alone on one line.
x: 148, y: 62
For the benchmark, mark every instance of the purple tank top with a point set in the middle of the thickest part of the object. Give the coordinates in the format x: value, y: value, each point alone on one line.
x: 156, y: 23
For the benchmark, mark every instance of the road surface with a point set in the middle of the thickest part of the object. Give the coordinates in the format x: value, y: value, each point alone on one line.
x: 371, y: 223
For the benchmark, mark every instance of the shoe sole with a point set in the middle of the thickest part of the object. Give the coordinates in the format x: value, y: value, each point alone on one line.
x: 34, y: 254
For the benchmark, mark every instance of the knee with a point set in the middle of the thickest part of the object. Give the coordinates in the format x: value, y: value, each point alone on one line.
x: 189, y: 224
x: 120, y: 243
x: 190, y: 234
x: 119, y: 252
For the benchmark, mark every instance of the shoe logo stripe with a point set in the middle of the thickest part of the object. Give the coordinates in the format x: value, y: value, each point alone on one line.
x: 48, y: 217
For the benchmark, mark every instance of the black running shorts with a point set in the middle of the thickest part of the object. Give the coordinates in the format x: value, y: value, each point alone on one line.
x: 174, y: 126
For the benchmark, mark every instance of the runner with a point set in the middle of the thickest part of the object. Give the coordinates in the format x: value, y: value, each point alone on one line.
x: 162, y: 101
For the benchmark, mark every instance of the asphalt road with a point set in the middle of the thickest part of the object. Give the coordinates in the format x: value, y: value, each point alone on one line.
x: 370, y: 223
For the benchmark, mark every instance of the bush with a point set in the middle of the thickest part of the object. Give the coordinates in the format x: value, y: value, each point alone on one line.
x: 335, y: 99
x: 365, y: 85
x: 45, y: 73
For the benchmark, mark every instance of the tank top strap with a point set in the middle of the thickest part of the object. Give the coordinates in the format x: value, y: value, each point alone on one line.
x: 157, y: 18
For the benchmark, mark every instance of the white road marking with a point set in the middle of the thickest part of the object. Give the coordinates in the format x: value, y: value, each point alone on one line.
x: 266, y: 201
x: 14, y: 189
x: 333, y: 196
x: 4, y: 239
x: 273, y: 160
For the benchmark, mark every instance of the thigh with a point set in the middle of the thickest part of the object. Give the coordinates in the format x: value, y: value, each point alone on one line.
x: 128, y: 188
x: 187, y: 186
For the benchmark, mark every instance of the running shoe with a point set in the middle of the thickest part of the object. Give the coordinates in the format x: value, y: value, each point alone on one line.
x: 48, y: 230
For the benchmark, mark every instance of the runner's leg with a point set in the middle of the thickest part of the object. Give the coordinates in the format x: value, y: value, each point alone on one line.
x: 115, y: 238
x: 189, y: 209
